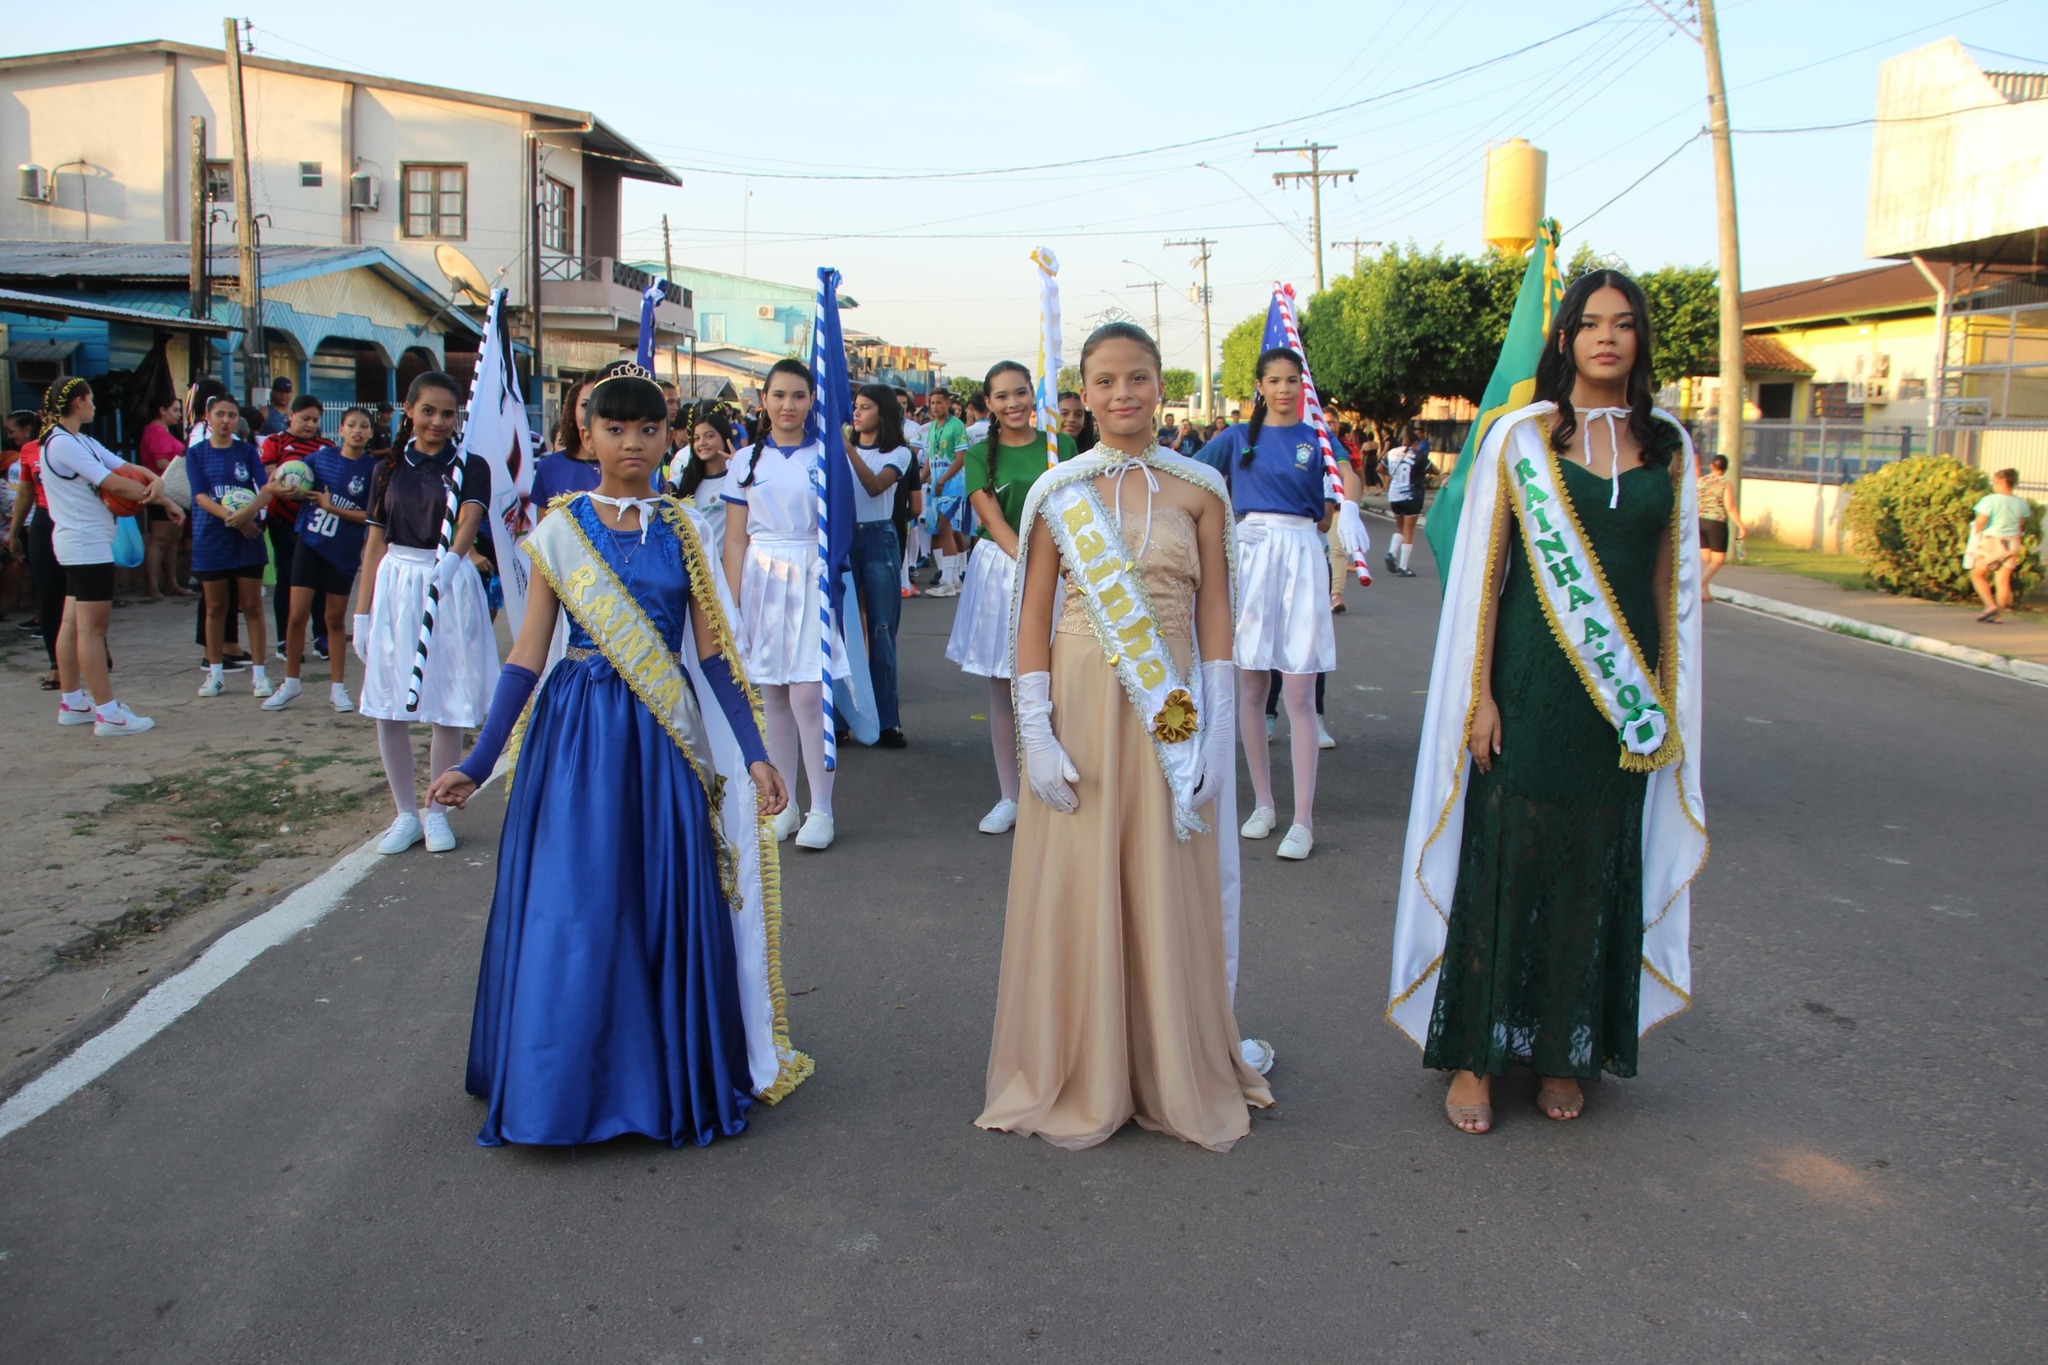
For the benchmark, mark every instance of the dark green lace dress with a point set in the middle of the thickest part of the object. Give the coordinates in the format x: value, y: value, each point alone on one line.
x: 1541, y: 964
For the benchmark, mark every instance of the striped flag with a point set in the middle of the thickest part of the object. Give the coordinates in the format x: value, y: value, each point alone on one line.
x: 495, y: 428
x: 1048, y: 353
x: 831, y: 480
x: 1513, y: 386
x: 426, y: 643
x: 1283, y: 330
x: 650, y: 299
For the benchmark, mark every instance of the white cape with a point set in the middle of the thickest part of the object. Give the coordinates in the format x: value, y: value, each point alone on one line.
x: 1674, y: 816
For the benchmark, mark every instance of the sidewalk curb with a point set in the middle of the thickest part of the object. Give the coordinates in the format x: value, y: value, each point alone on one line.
x: 2019, y: 670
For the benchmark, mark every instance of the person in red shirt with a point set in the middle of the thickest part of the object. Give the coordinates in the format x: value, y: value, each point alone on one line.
x: 300, y: 438
x: 154, y: 451
x: 28, y: 536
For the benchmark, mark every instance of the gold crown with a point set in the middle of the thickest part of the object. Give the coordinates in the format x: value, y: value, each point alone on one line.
x: 628, y: 370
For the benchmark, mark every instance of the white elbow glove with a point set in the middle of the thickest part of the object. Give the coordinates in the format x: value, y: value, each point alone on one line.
x: 359, y: 639
x: 1045, y: 763
x: 446, y: 568
x: 1357, y: 542
x: 1219, y: 730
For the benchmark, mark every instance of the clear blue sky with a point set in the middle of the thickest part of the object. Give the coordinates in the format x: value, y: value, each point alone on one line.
x: 832, y: 89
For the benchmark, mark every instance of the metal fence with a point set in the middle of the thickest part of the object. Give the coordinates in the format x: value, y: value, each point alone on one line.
x: 1814, y: 452
x: 1999, y: 445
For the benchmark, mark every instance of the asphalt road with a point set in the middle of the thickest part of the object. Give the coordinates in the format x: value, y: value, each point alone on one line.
x: 1836, y: 1155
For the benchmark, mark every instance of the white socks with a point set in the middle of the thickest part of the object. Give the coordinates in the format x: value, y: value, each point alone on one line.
x: 1394, y: 545
x: 257, y: 675
x: 108, y: 710
x: 80, y: 700
x: 214, y: 671
x: 1407, y: 548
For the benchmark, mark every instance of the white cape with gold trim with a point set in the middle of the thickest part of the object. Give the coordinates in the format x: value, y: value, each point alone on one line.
x: 1674, y: 816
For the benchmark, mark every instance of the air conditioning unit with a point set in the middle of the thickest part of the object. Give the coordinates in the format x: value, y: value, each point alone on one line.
x: 1870, y: 391
x: 35, y: 184
x: 766, y: 312
x: 362, y: 192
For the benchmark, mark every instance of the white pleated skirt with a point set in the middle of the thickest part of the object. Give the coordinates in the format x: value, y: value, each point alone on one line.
x: 980, y: 642
x: 1283, y: 595
x: 462, y: 656
x: 780, y: 608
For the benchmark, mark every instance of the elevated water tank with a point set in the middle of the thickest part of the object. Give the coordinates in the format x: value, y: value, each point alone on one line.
x: 1515, y: 176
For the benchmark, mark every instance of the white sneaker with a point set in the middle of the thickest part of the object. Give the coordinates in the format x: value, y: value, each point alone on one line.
x: 942, y: 590
x: 212, y: 687
x: 260, y: 687
x: 1001, y: 818
x: 1297, y: 843
x: 1261, y: 823
x: 68, y: 714
x: 787, y: 822
x: 287, y: 692
x: 817, y: 831
x: 404, y: 833
x: 1257, y: 1054
x: 337, y: 697
x: 1324, y: 739
x: 440, y: 838
x: 121, y: 721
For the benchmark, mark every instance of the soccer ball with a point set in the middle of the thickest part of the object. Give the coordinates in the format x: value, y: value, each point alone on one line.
x: 295, y: 476
x: 235, y: 499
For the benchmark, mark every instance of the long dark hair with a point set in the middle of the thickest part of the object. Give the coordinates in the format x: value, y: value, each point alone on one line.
x: 568, y: 435
x: 1272, y: 355
x: 994, y: 438
x: 426, y: 379
x: 766, y: 426
x: 1557, y: 369
x: 1084, y: 439
x: 714, y: 416
x: 889, y: 430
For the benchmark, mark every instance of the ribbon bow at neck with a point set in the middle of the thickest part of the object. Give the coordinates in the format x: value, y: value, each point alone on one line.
x: 1613, y: 446
x: 1122, y: 463
x: 649, y: 509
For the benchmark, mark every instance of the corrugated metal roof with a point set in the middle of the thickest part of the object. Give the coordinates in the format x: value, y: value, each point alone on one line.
x: 2020, y: 86
x: 55, y: 305
x: 39, y: 349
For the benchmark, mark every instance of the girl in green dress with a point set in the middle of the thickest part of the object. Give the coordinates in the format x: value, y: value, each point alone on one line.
x: 1557, y: 824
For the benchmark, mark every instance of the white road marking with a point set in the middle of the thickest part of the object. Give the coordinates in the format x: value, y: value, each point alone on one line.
x: 170, y: 999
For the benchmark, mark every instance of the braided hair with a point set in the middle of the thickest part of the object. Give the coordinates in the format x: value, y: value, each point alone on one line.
x: 766, y: 425
x: 57, y: 400
x: 1269, y: 357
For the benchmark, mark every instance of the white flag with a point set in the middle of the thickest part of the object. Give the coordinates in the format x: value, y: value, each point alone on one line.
x: 496, y: 430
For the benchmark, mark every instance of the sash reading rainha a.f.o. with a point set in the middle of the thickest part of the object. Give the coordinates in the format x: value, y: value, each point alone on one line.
x: 748, y: 867
x: 1514, y: 476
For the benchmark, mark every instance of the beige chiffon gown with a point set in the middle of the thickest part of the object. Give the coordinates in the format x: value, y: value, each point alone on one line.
x: 1113, y: 1003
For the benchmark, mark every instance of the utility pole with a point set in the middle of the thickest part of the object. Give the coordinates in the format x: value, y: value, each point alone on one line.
x: 1315, y: 175
x: 1155, y: 286
x: 668, y: 275
x: 199, y: 308
x: 255, y: 356
x: 1734, y: 382
x: 1358, y: 246
x: 1208, y: 353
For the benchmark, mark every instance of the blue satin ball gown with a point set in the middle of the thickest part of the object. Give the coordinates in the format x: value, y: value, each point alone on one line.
x: 608, y: 999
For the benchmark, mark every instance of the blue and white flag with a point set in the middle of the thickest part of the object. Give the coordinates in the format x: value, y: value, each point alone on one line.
x: 832, y: 479
x: 650, y: 299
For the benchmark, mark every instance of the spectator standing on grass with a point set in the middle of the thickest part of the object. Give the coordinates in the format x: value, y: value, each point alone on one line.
x: 1718, y: 516
x: 230, y: 500
x: 77, y: 472
x: 2000, y: 518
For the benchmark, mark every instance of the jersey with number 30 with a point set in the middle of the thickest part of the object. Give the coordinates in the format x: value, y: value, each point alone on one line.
x: 346, y: 483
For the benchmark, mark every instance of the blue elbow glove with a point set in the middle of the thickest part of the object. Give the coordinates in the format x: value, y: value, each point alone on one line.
x: 515, y: 685
x: 733, y: 701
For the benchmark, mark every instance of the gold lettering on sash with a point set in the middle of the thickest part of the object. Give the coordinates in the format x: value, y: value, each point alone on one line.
x: 1137, y: 636
x: 1077, y: 517
x: 1116, y: 601
x: 1151, y: 672
x: 602, y: 610
x: 1090, y: 544
x: 1097, y: 572
x: 667, y: 693
x: 581, y: 580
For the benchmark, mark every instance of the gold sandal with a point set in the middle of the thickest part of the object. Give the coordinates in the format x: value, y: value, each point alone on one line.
x: 1568, y: 1104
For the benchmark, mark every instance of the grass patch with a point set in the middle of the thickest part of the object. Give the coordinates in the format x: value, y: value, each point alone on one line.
x: 1844, y: 571
x: 248, y: 806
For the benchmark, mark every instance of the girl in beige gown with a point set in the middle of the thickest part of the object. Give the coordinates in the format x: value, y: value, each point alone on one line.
x: 1115, y: 1002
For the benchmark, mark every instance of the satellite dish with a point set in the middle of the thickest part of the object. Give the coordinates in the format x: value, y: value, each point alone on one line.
x: 464, y: 278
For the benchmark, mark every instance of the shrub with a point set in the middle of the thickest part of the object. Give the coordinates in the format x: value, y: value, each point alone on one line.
x: 1911, y: 521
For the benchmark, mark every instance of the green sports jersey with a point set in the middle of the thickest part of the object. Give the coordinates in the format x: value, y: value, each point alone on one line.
x: 1016, y: 469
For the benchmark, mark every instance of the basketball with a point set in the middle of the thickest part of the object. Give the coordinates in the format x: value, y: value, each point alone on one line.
x: 124, y: 507
x: 295, y: 476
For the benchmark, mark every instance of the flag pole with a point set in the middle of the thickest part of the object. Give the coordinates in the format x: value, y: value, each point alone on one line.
x: 1048, y: 353
x: 1312, y: 408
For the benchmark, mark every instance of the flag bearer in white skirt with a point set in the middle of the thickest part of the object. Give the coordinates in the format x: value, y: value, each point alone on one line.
x: 1275, y: 471
x: 407, y: 551
x: 1000, y: 472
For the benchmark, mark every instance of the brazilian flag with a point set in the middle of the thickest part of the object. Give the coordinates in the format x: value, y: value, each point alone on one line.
x: 1513, y: 385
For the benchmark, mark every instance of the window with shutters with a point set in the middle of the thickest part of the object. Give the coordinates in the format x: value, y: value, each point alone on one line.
x: 557, y: 216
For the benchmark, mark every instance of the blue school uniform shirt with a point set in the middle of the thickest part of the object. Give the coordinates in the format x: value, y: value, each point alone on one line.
x: 1285, y: 476
x: 560, y: 472
x: 346, y: 483
x: 213, y: 470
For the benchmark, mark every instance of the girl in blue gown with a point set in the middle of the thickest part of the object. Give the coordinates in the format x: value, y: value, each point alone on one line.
x: 630, y: 975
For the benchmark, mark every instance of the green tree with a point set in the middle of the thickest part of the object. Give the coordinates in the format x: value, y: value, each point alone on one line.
x: 1177, y: 385
x: 1070, y: 379
x: 1240, y: 353
x: 1685, y: 312
x: 963, y: 386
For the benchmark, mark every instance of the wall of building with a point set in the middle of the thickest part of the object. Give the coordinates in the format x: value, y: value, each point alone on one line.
x: 728, y: 307
x: 109, y: 114
x: 1809, y: 516
x: 1899, y: 352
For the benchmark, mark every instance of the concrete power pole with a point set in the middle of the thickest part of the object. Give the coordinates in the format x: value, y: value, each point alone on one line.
x: 255, y: 355
x: 1155, y: 286
x: 1358, y: 246
x: 1208, y: 351
x: 1315, y: 175
x: 200, y: 264
x: 1734, y: 382
x: 668, y: 273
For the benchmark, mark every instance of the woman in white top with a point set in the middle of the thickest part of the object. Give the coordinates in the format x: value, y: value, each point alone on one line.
x: 698, y: 475
x: 76, y: 471
x: 771, y: 563
x: 878, y: 456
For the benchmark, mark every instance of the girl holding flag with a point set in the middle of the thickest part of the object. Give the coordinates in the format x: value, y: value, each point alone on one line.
x: 408, y: 550
x: 630, y: 983
x: 1556, y: 824
x: 771, y: 565
x: 1278, y: 489
x: 1120, y: 936
x: 1000, y: 473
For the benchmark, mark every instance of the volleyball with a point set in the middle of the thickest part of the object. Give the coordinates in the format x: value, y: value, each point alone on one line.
x: 295, y: 476
x: 235, y: 499
x: 124, y: 507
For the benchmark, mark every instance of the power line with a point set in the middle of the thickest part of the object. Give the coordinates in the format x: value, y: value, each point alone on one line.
x: 1640, y: 179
